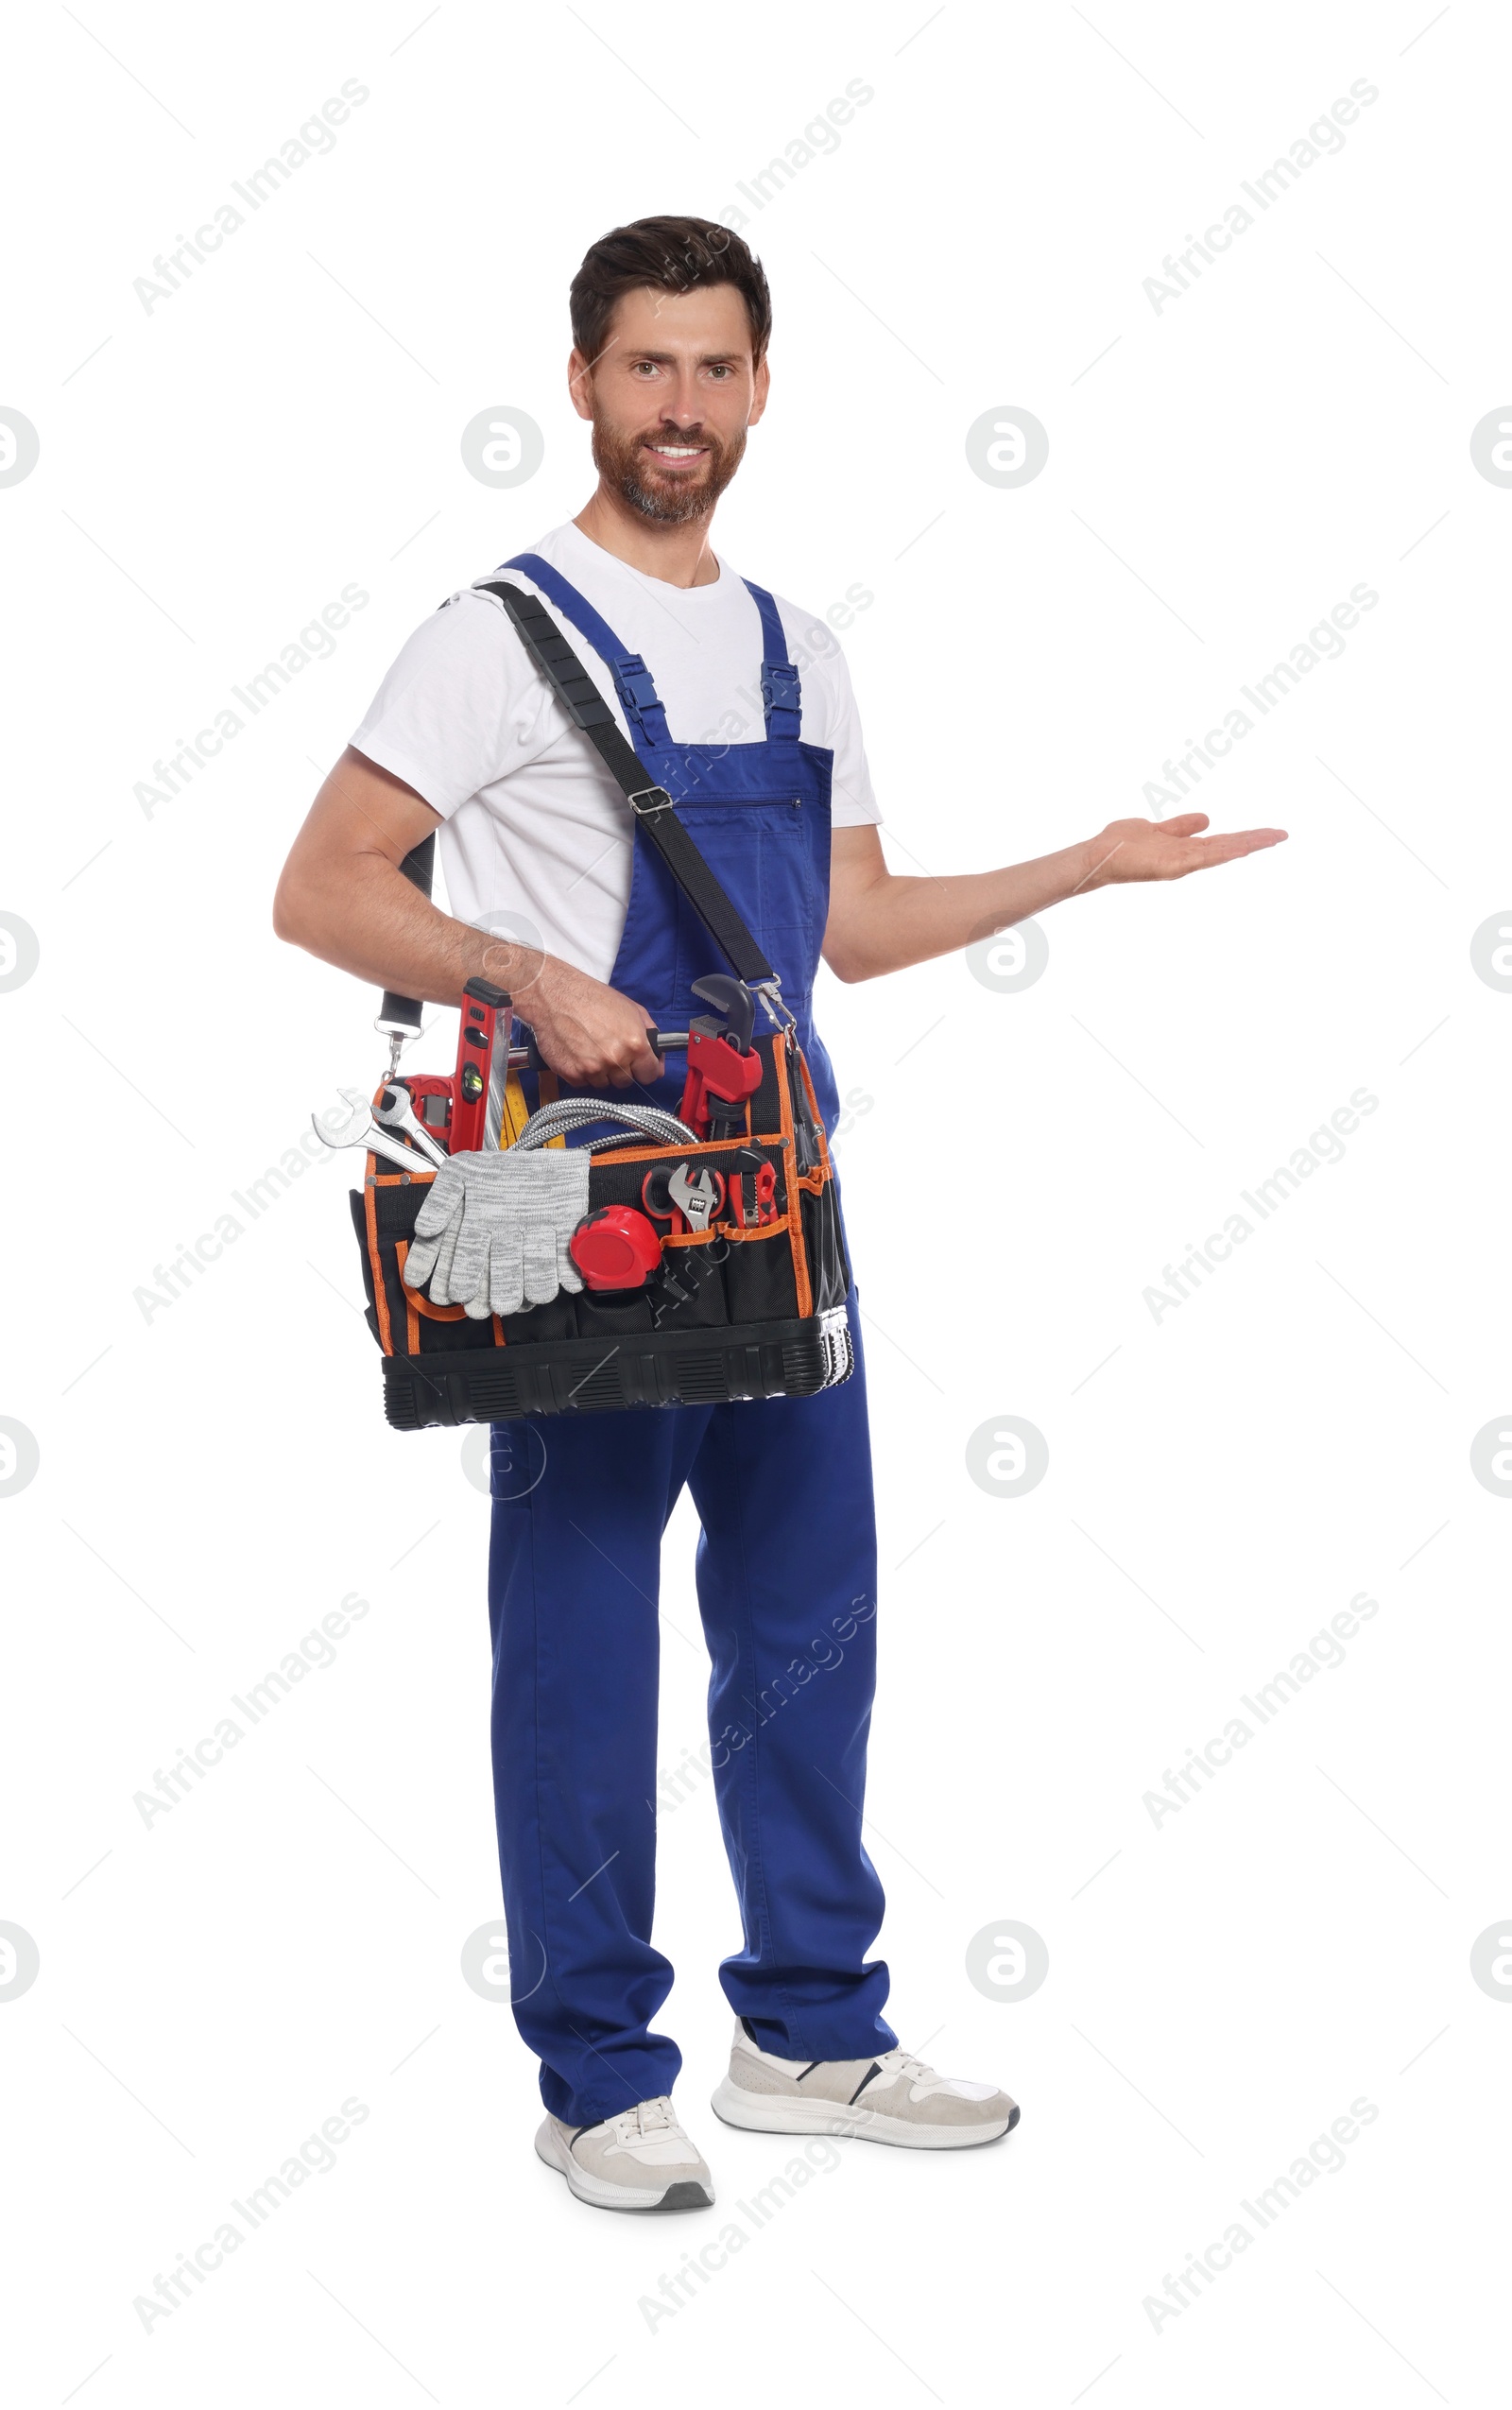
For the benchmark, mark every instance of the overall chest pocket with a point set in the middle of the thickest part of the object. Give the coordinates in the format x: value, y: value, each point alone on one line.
x: 761, y: 854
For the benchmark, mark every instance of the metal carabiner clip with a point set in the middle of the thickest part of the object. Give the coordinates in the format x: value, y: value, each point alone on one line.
x: 770, y: 992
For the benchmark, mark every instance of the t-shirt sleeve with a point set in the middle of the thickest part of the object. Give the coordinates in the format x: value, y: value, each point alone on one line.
x: 460, y: 708
x: 852, y: 804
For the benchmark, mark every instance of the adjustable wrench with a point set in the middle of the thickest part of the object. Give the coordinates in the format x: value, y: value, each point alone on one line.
x: 700, y: 1199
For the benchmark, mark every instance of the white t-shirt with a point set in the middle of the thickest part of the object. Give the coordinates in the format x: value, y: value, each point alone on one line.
x: 537, y: 840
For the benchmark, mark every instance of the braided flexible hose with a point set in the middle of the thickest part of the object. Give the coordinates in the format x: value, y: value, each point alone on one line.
x: 574, y: 1113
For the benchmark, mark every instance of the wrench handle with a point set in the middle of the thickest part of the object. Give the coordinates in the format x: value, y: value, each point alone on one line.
x: 661, y: 1042
x: 393, y: 1150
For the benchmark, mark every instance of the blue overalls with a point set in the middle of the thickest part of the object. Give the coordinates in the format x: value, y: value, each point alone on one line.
x: 786, y: 1560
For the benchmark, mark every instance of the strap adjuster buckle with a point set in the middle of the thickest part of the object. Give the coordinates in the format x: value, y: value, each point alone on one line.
x: 636, y: 681
x: 779, y: 686
x: 649, y: 799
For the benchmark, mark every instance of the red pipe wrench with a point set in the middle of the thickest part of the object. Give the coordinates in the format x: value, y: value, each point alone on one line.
x: 723, y: 1067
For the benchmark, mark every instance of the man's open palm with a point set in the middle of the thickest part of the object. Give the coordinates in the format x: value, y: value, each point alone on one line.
x: 1130, y: 849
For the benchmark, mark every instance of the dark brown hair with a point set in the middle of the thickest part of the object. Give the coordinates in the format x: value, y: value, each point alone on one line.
x: 671, y: 254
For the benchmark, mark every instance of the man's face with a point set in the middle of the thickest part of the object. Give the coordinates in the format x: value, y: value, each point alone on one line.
x: 671, y: 396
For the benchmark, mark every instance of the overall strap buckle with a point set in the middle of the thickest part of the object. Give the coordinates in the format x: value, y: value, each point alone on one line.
x: 646, y: 800
x: 636, y: 682
x: 642, y: 704
x: 781, y: 694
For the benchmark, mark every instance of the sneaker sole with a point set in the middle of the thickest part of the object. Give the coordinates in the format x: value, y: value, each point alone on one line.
x: 686, y: 2193
x: 766, y: 2113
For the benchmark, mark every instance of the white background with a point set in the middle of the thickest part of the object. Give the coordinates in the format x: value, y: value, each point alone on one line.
x: 1221, y: 1483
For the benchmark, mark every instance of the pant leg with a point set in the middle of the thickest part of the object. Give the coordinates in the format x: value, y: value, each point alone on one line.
x: 787, y: 1571
x: 580, y: 1507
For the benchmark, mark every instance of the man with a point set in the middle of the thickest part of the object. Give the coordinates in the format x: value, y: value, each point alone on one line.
x: 670, y: 320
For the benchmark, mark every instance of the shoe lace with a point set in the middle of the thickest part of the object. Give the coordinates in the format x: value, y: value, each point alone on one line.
x: 647, y: 2117
x: 902, y: 2062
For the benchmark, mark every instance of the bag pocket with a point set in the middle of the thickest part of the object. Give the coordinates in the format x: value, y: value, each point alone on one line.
x: 608, y: 1313
x: 824, y: 1242
x: 556, y: 1320
x: 359, y: 1223
x: 758, y: 1278
x: 383, y: 1213
x: 686, y: 1292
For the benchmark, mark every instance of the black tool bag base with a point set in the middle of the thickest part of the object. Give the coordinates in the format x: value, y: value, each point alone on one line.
x: 793, y: 1359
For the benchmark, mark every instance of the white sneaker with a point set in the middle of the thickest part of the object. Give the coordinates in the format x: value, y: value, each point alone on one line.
x: 892, y: 2098
x: 640, y: 2160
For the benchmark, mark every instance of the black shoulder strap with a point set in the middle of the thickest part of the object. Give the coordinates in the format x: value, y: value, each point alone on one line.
x: 652, y: 805
x: 403, y: 1016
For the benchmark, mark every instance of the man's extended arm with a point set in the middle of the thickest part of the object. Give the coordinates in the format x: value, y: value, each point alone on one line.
x: 342, y: 896
x: 880, y: 922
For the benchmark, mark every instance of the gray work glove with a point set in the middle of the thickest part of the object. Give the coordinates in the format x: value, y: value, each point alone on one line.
x: 492, y: 1232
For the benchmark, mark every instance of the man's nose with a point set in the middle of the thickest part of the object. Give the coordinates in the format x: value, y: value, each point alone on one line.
x: 681, y: 408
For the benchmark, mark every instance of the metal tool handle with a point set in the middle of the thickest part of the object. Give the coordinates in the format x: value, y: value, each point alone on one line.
x: 394, y: 1152
x: 375, y: 1141
x: 661, y: 1042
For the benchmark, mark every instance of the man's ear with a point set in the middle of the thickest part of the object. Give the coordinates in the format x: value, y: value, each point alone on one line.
x: 581, y: 384
x: 761, y: 387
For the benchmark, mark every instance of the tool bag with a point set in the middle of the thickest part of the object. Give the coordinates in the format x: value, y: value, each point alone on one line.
x: 729, y: 1311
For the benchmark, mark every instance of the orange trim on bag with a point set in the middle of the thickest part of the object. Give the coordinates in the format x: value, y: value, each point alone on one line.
x: 815, y: 1181
x: 795, y: 1220
x: 694, y: 1146
x: 418, y: 1304
x: 776, y: 1228
x: 380, y: 1294
x: 814, y: 1108
x: 418, y: 1307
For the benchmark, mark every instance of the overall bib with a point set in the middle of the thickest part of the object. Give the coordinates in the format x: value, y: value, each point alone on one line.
x: 786, y: 1559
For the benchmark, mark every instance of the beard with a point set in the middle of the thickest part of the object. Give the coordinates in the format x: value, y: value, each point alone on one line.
x: 674, y: 498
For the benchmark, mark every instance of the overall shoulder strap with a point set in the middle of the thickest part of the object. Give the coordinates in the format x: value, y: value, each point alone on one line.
x: 782, y: 696
x: 652, y: 805
x: 633, y: 683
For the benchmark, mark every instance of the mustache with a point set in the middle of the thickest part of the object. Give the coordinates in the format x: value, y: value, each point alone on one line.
x: 621, y: 458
